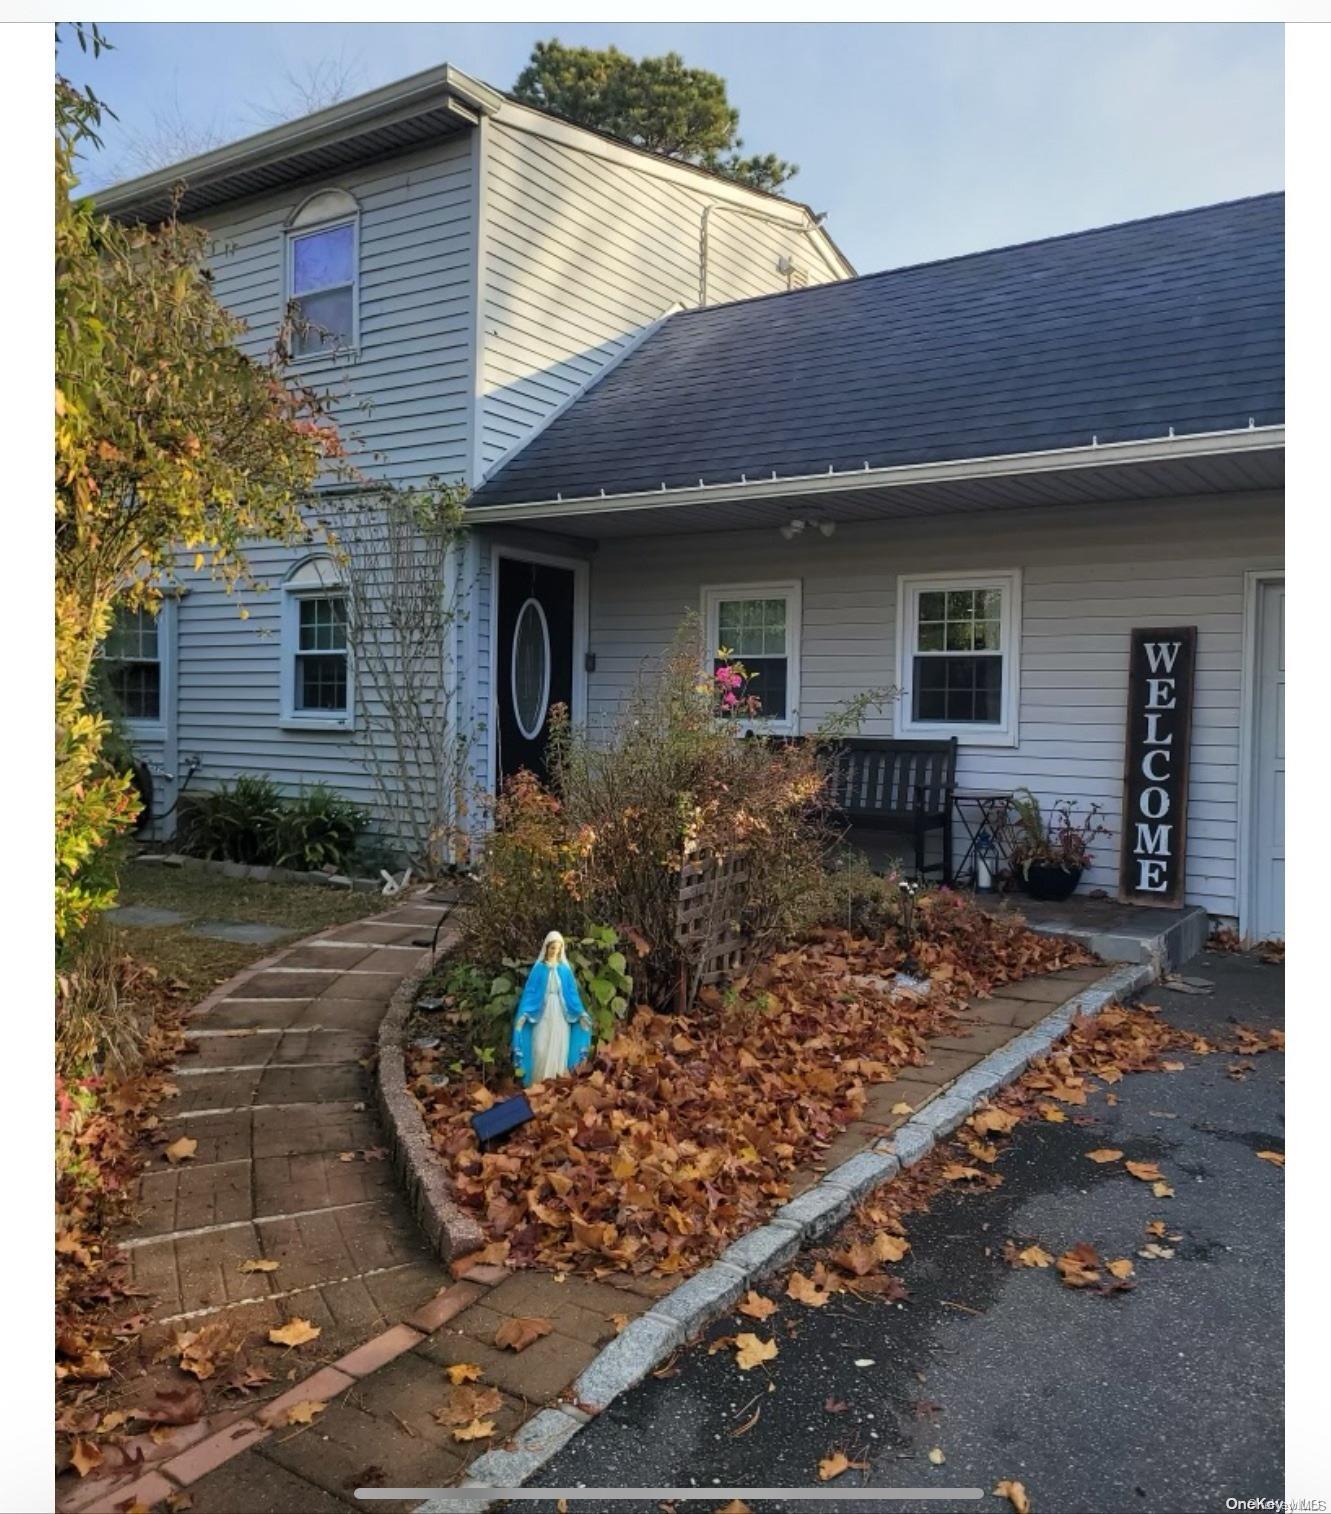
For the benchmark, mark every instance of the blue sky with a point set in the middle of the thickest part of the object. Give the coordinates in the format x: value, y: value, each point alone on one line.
x: 920, y: 141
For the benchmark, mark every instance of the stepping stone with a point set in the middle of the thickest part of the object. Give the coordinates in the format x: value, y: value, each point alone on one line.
x: 244, y: 931
x: 143, y: 914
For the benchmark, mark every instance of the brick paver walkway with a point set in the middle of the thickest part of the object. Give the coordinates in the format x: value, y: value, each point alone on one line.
x: 276, y: 1092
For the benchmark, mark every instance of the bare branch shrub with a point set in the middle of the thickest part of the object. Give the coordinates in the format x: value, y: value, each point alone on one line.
x: 401, y: 555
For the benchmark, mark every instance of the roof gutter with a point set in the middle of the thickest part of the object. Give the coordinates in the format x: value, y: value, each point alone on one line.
x: 446, y: 86
x: 1064, y: 459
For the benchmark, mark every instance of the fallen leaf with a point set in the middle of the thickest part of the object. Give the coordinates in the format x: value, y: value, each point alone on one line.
x: 181, y: 1150
x: 1015, y: 1493
x: 1162, y: 1190
x: 1053, y: 1114
x: 294, y: 1333
x: 1147, y: 1172
x: 259, y: 1264
x: 864, y: 1361
x: 478, y: 1429
x: 857, y: 1258
x: 936, y: 1456
x: 463, y: 1372
x: 836, y: 1405
x: 901, y: 1107
x: 1155, y: 1252
x: 465, y: 1404
x: 993, y: 1121
x: 1155, y: 1227
x: 890, y: 1248
x: 519, y: 1332
x: 1103, y: 1154
x: 756, y: 1306
x: 1120, y: 1267
x: 85, y: 1457
x: 735, y: 1506
x: 1172, y: 1066
x: 835, y: 1464
x: 179, y: 1503
x: 1029, y: 1256
x: 805, y: 1291
x: 619, y: 1321
x: 1276, y: 1158
x: 306, y: 1412
x: 750, y: 1352
x: 1078, y: 1267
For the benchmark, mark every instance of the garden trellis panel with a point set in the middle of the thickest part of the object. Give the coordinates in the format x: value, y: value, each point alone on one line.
x: 708, y: 925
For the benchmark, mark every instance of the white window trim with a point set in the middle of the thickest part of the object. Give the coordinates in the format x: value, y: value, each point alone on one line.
x: 909, y: 588
x: 293, y: 234
x: 155, y: 730
x: 790, y: 591
x: 293, y: 591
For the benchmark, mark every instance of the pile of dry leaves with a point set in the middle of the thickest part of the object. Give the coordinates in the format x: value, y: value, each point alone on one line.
x: 102, y: 1124
x: 683, y: 1132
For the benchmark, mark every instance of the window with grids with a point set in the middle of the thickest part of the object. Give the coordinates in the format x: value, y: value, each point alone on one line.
x: 958, y: 656
x: 320, y: 683
x: 759, y: 627
x: 132, y: 657
x: 323, y: 288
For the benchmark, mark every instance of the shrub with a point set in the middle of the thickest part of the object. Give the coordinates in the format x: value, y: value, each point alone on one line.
x: 236, y: 822
x: 250, y: 821
x: 525, y: 878
x: 607, y: 841
x: 852, y: 896
x: 318, y: 829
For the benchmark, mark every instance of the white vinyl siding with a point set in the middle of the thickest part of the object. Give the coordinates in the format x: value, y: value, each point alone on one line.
x: 580, y: 252
x: 405, y: 392
x: 1089, y: 575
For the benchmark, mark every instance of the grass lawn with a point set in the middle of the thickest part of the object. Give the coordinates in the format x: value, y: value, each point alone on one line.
x: 200, y: 964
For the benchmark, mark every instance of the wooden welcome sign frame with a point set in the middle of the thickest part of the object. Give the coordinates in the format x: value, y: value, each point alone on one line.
x: 1162, y: 666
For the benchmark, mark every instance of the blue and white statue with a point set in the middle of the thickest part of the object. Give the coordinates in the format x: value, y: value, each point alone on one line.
x: 552, y: 1032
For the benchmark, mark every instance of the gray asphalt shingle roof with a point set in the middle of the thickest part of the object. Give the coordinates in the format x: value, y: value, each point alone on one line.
x: 1120, y: 333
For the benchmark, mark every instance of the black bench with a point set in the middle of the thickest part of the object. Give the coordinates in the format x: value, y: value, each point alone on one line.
x: 902, y: 786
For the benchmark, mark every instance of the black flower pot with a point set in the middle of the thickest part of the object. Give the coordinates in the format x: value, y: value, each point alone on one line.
x: 1050, y: 883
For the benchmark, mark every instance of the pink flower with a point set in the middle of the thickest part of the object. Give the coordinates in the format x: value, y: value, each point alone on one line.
x: 730, y: 700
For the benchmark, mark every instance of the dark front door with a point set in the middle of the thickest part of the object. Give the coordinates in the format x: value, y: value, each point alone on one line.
x: 534, y: 659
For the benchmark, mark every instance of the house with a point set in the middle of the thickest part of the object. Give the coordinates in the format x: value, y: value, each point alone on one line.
x: 972, y: 480
x: 467, y: 266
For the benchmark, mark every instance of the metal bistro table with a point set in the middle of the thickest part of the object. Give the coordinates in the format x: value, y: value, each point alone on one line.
x: 983, y: 813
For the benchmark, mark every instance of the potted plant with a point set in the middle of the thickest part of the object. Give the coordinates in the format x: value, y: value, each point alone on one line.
x: 1051, y: 855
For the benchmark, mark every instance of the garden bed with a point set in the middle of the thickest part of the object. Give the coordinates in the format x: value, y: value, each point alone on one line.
x: 685, y: 1131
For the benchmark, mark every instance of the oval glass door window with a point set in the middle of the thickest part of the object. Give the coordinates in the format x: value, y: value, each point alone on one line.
x: 531, y: 669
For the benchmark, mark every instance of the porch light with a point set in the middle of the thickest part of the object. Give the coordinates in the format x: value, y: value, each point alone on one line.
x: 796, y: 527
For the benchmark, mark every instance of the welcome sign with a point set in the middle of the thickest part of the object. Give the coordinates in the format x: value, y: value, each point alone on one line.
x: 1155, y: 780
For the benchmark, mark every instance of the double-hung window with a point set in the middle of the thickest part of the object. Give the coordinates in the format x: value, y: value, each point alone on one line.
x: 132, y: 657
x: 957, y: 662
x: 323, y: 274
x: 758, y: 625
x: 318, y: 687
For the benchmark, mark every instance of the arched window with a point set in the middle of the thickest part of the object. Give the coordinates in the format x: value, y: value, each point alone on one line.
x: 323, y: 273
x: 317, y: 683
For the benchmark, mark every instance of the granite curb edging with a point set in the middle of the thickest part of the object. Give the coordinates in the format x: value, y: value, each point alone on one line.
x: 647, y: 1341
x: 450, y: 1232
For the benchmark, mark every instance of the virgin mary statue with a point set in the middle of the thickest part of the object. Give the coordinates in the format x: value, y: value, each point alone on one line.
x: 551, y: 1030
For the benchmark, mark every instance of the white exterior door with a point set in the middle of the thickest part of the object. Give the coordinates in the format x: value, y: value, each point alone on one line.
x: 1268, y: 775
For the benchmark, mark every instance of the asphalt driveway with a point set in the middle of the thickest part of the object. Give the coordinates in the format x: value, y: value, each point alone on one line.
x: 1163, y: 1399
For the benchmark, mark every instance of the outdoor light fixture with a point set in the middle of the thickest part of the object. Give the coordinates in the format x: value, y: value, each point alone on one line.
x: 796, y: 527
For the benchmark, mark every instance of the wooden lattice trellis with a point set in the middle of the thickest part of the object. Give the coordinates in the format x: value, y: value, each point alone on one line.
x: 708, y: 925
